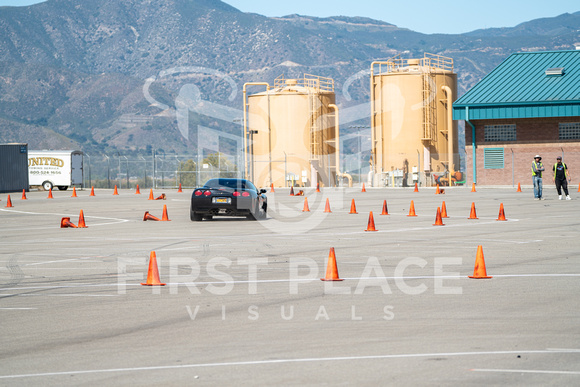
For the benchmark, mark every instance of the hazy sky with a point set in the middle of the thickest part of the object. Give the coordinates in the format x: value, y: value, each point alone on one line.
x: 427, y: 16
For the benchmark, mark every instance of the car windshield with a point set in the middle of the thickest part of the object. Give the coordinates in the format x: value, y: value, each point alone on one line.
x: 230, y: 183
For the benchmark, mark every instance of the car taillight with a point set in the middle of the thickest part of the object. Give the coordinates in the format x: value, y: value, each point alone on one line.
x: 198, y: 193
x: 207, y: 193
x: 236, y: 193
x: 245, y: 194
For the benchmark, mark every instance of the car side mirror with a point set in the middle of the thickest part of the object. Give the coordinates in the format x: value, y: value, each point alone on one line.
x: 263, y: 191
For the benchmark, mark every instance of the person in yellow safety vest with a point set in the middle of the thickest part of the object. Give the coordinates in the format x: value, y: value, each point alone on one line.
x: 537, y: 169
x: 561, y: 177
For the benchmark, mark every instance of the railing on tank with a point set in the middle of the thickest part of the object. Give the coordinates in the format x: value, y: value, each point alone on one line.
x: 429, y: 61
x: 308, y: 81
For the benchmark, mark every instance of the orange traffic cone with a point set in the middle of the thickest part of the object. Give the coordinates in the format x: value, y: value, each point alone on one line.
x: 137, y: 190
x: 115, y: 191
x: 412, y: 209
x: 272, y: 187
x: 520, y: 188
x: 148, y: 216
x: 472, y: 214
x: 153, y: 272
x: 160, y: 197
x: 363, y: 188
x: 151, y: 194
x: 444, y: 210
x: 291, y: 191
x: 438, y: 220
x: 50, y: 194
x: 317, y: 187
x: 23, y: 195
x: 331, y: 268
x: 179, y: 189
x: 306, y: 208
x: 416, y: 188
x: 473, y: 188
x: 352, y: 207
x: 327, y: 207
x: 164, y: 217
x: 578, y: 187
x: 65, y: 223
x: 501, y: 215
x: 74, y: 194
x: 385, y: 209
x: 437, y: 191
x: 371, y: 223
x: 92, y: 191
x: 479, y: 270
x: 9, y: 202
x: 82, y: 220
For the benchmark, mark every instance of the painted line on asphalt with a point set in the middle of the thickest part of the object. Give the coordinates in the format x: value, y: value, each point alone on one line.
x: 116, y: 220
x: 18, y: 308
x: 528, y: 371
x: 285, y: 361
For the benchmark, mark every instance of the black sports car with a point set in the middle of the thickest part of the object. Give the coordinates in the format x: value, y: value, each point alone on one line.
x: 228, y: 197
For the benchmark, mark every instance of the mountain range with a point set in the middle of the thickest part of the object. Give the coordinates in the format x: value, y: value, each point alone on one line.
x: 109, y: 75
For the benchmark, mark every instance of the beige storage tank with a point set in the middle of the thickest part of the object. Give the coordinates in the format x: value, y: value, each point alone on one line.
x: 414, y: 138
x: 290, y: 133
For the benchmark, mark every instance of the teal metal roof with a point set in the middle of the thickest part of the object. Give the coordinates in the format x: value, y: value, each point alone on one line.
x: 520, y: 88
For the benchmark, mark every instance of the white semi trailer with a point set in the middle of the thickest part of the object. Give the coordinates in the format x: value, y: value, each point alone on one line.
x: 60, y: 169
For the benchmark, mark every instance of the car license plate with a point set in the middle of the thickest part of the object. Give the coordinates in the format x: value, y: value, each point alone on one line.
x: 222, y: 200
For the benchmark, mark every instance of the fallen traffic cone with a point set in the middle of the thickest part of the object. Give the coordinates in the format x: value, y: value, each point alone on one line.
x: 520, y: 188
x: 9, y: 202
x: 473, y: 188
x: 153, y: 272
x: 137, y: 190
x: 179, y: 189
x: 578, y: 187
x: 306, y: 208
x: 416, y: 188
x: 164, y: 217
x: 501, y: 213
x: 438, y: 220
x: 23, y: 195
x: 148, y: 216
x: 115, y: 191
x: 65, y: 223
x: 385, y: 209
x: 74, y: 194
x: 444, y: 210
x: 50, y: 194
x: 363, y: 188
x: 327, y: 206
x: 412, y: 209
x: 272, y: 187
x: 371, y: 223
x: 352, y: 207
x: 160, y: 197
x: 317, y: 187
x: 291, y: 191
x: 151, y: 194
x: 437, y: 191
x: 92, y: 191
x: 479, y: 269
x: 472, y: 214
x: 82, y: 220
x: 331, y: 268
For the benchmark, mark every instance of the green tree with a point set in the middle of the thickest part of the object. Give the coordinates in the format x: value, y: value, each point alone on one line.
x: 187, y: 173
x: 221, y: 164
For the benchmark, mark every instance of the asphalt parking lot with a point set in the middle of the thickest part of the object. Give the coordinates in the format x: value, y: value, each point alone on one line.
x: 243, y: 302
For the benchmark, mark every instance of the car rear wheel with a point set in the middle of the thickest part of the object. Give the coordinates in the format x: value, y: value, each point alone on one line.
x: 195, y: 217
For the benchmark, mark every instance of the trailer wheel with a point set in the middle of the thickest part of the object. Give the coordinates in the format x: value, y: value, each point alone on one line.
x: 63, y: 187
x: 47, y: 185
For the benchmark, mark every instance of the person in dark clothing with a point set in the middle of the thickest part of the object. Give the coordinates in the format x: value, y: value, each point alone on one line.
x: 561, y: 177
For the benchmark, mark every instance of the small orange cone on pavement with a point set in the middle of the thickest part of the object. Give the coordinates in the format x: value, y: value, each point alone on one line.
x: 371, y: 223
x: 385, y: 209
x: 479, y: 269
x: 317, y: 187
x: 74, y: 194
x: 82, y: 220
x: 519, y: 188
x: 331, y: 268
x: 352, y: 207
x: 412, y: 209
x: 291, y: 191
x: 578, y: 187
x: 327, y: 206
x: 501, y: 215
x: 9, y: 202
x: 416, y: 188
x: 65, y: 223
x: 272, y: 187
x: 363, y: 188
x: 179, y: 189
x: 137, y: 190
x: 153, y: 272
x: 161, y: 197
x: 148, y: 216
x: 473, y: 188
x: 115, y: 191
x: 23, y: 195
x: 92, y: 191
x: 164, y: 217
x: 306, y: 208
x: 50, y: 194
x: 151, y: 197
x: 444, y: 210
x: 472, y: 214
x: 438, y: 220
x: 437, y: 191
